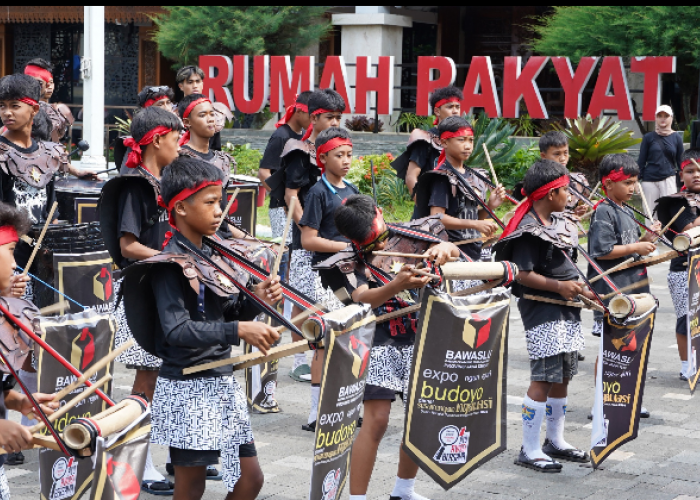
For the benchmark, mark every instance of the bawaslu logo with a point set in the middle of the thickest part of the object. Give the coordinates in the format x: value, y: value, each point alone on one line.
x: 102, y: 284
x: 83, y: 349
x: 475, y: 336
x: 360, y: 354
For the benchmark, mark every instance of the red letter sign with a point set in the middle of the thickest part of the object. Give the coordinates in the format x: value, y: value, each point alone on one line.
x: 261, y: 75
x: 652, y: 67
x: 611, y: 77
x: 218, y: 71
x: 335, y: 74
x: 383, y: 84
x: 519, y: 85
x: 426, y: 65
x: 481, y: 75
x: 573, y: 83
x: 282, y: 92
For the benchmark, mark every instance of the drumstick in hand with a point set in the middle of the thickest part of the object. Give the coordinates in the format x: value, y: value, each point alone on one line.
x: 228, y: 207
x: 37, y: 244
x: 278, y: 260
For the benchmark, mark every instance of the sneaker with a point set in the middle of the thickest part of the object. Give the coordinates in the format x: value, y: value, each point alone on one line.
x: 309, y: 427
x: 15, y: 458
x: 213, y: 473
x: 581, y: 357
x: 644, y: 413
x: 301, y: 373
x: 683, y: 377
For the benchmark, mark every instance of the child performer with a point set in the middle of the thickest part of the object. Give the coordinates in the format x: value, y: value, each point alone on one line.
x: 297, y: 174
x: 555, y: 146
x: 59, y: 114
x: 318, y: 232
x: 666, y: 208
x: 292, y: 126
x: 190, y: 80
x: 536, y: 240
x: 140, y: 232
x: 161, y: 97
x: 440, y: 192
x: 13, y: 436
x: 203, y: 415
x: 361, y: 221
x: 614, y: 237
x: 424, y: 147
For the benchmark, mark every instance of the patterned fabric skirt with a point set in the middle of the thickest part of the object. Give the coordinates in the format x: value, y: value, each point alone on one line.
x: 278, y: 217
x: 390, y: 367
x: 301, y: 275
x: 207, y: 413
x: 597, y: 329
x: 134, y: 356
x: 458, y: 285
x: 554, y: 337
x: 4, y: 486
x: 678, y: 286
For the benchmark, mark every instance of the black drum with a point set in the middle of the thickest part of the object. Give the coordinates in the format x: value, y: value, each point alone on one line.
x: 59, y: 238
x: 77, y: 199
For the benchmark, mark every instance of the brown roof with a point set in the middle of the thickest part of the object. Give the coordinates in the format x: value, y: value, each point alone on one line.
x: 74, y: 14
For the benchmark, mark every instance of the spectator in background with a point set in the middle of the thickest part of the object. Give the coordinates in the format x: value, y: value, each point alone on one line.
x: 660, y: 158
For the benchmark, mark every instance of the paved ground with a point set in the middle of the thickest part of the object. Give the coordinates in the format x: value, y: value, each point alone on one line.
x: 661, y: 464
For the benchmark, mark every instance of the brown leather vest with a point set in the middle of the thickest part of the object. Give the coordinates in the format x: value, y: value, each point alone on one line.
x: 562, y: 233
x: 59, y: 120
x: 14, y: 343
x: 37, y: 168
x: 305, y: 146
x: 221, y: 160
x: 478, y: 185
x: 424, y: 135
x: 255, y: 251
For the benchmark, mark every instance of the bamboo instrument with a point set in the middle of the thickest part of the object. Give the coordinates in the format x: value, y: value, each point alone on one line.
x: 627, y: 288
x: 115, y: 419
x: 690, y: 238
x: 37, y: 245
x: 472, y: 270
x: 644, y: 201
x: 665, y: 228
x: 568, y: 303
x: 611, y: 270
x: 664, y: 257
x: 493, y: 170
x: 228, y: 207
x: 285, y: 233
x: 383, y: 253
x: 622, y: 306
x: 58, y: 306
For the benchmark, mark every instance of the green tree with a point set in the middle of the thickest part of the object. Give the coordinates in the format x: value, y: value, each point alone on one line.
x: 579, y: 31
x: 186, y: 32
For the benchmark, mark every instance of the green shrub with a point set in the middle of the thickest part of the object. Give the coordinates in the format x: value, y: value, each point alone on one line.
x: 247, y: 158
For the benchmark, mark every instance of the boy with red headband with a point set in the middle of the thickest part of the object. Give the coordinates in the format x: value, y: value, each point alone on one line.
x: 59, y: 114
x: 388, y: 284
x: 190, y: 313
x: 666, y: 208
x: 134, y: 228
x: 555, y: 146
x: 13, y: 436
x: 162, y: 96
x: 190, y: 80
x: 440, y: 192
x: 424, y: 146
x: 296, y: 176
x: 542, y: 242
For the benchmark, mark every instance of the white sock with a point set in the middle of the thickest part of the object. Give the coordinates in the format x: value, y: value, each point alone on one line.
x: 30, y: 380
x: 403, y: 488
x: 167, y: 458
x: 556, y: 415
x: 358, y: 497
x: 684, y: 367
x: 315, y: 394
x: 150, y: 473
x: 299, y: 359
x: 533, y: 413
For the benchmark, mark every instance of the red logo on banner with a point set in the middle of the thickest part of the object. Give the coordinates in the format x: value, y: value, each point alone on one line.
x: 83, y: 351
x: 102, y: 284
x: 360, y: 353
x: 124, y: 480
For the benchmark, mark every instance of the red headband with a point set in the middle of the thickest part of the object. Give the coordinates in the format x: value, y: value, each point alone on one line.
x: 311, y: 127
x: 330, y: 146
x: 373, y: 233
x: 28, y: 100
x: 186, y: 136
x: 688, y: 162
x: 38, y: 72
x: 151, y: 102
x: 289, y: 112
x: 182, y: 195
x: 615, y: 176
x: 8, y: 234
x: 462, y: 132
x: 526, y: 205
x: 134, y: 159
x: 441, y: 103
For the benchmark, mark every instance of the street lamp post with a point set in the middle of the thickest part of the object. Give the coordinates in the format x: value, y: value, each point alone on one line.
x: 92, y: 68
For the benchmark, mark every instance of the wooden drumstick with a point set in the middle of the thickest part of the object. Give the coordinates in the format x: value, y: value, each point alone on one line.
x: 593, y: 191
x: 665, y: 228
x: 303, y: 315
x: 285, y: 233
x: 383, y: 253
x: 644, y: 200
x: 72, y: 403
x: 611, y: 270
x: 624, y: 289
x: 37, y: 244
x: 493, y: 170
x: 228, y: 207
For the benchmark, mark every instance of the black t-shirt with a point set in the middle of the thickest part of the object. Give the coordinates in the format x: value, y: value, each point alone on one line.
x: 319, y: 208
x: 273, y: 150
x: 135, y: 210
x: 668, y: 207
x: 215, y: 142
x: 424, y: 154
x: 542, y: 257
x: 459, y: 206
x: 301, y: 174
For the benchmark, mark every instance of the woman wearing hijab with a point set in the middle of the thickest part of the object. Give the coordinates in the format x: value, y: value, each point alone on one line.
x: 660, y: 157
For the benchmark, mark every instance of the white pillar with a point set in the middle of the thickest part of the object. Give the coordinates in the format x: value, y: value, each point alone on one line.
x: 93, y: 67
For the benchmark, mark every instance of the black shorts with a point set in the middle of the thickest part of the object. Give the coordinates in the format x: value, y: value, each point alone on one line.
x: 332, y: 278
x: 682, y: 325
x: 376, y: 392
x: 199, y: 458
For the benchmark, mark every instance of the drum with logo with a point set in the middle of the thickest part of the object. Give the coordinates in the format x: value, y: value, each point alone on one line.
x: 77, y: 199
x: 243, y: 211
x: 64, y: 239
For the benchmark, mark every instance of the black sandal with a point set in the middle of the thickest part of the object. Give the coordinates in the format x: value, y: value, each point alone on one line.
x: 572, y: 454
x: 164, y: 487
x: 548, y: 466
x: 309, y: 427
